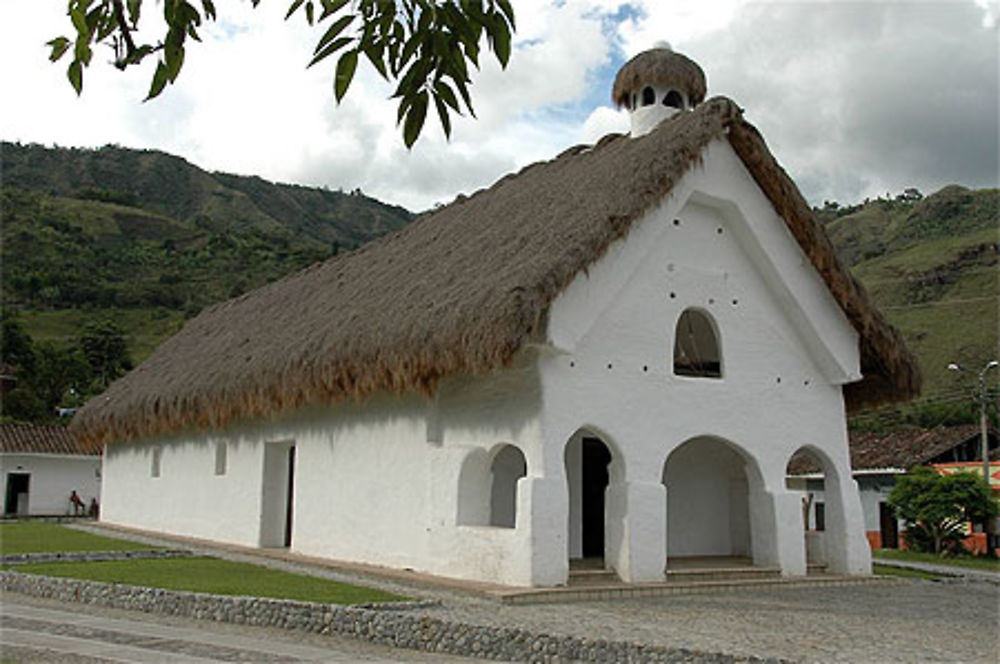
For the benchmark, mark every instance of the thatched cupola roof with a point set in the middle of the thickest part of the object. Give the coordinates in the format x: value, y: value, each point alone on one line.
x: 663, y: 68
x: 460, y: 290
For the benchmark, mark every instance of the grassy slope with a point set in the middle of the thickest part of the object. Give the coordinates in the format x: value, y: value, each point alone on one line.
x: 931, y: 267
x: 219, y: 577
x: 38, y: 537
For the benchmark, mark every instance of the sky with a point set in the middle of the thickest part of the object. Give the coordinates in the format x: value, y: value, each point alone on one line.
x: 855, y: 99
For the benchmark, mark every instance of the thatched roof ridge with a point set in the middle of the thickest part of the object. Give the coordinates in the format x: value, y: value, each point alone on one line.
x: 659, y: 66
x: 460, y: 290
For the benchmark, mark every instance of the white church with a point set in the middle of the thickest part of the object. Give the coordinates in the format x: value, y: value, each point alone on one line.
x: 608, y: 356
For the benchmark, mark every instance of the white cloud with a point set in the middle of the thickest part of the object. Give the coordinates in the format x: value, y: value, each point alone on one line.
x: 854, y: 98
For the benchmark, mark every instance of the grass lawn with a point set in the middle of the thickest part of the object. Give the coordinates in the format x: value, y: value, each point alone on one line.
x: 40, y: 537
x: 969, y: 562
x: 210, y: 575
x: 887, y: 570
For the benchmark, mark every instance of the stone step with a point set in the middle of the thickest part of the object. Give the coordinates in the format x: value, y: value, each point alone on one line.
x: 590, y: 577
x: 813, y: 569
x: 696, y: 575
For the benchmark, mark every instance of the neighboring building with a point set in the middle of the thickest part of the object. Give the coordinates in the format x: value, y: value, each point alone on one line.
x: 878, y: 458
x: 611, y: 355
x: 41, y: 466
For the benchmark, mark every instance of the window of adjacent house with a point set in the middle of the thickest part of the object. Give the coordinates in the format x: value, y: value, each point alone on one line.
x: 507, y: 468
x: 820, y: 516
x: 221, y: 450
x: 648, y: 96
x: 154, y: 466
x: 673, y: 99
x: 697, y: 351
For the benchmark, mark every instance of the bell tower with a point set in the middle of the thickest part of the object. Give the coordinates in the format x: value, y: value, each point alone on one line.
x: 655, y: 85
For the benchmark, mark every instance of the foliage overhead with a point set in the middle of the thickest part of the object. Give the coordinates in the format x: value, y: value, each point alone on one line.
x: 936, y: 507
x: 425, y: 46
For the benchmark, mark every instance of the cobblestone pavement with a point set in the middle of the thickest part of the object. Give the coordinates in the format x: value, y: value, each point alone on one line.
x: 35, y: 630
x: 988, y: 576
x: 913, y: 621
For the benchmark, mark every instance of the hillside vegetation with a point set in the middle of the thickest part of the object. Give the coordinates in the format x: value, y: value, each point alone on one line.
x: 931, y: 266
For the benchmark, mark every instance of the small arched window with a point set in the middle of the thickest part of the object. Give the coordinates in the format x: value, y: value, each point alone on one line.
x: 507, y: 468
x: 673, y: 99
x: 697, y: 352
x: 648, y: 96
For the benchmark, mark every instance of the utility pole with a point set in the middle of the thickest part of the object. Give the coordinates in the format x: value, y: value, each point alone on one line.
x: 984, y: 444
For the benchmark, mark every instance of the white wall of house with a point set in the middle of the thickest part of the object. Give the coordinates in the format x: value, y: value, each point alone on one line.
x: 409, y: 482
x: 52, y: 477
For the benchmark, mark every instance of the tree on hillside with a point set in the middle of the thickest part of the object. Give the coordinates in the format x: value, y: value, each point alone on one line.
x: 936, y: 507
x: 424, y: 45
x: 104, y: 347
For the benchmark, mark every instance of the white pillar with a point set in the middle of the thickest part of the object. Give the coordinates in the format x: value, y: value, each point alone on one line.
x: 542, y: 507
x: 635, y: 542
x: 847, y: 550
x: 776, y: 531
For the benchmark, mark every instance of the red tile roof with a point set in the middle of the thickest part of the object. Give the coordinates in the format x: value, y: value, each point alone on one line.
x: 40, y: 439
x: 898, y: 449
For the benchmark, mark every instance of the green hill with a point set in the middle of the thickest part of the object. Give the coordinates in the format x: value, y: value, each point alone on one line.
x: 146, y: 238
x: 931, y: 266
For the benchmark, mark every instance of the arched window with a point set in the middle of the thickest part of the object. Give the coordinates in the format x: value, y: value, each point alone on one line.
x: 648, y: 96
x: 697, y: 352
x: 507, y: 468
x: 673, y: 99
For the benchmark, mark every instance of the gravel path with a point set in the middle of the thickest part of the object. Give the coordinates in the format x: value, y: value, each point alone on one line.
x: 915, y: 621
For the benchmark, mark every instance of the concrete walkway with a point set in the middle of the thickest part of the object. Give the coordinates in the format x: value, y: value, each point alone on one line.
x: 965, y: 573
x: 908, y: 621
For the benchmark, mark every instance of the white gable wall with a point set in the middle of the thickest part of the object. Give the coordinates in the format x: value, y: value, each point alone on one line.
x: 786, y: 350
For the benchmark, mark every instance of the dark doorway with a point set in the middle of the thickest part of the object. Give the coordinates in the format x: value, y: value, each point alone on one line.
x: 290, y: 494
x: 596, y: 458
x: 888, y: 526
x: 16, y: 500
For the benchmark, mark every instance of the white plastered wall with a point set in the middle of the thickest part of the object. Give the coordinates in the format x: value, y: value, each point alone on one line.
x: 52, y: 478
x: 787, y: 350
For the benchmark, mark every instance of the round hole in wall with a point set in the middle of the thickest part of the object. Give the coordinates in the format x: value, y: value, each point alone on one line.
x: 735, y: 302
x: 711, y: 300
x: 673, y: 295
x: 806, y: 383
x: 609, y: 366
x: 645, y: 367
x: 572, y: 364
x: 719, y: 230
x: 779, y: 379
x: 677, y: 222
x: 670, y: 267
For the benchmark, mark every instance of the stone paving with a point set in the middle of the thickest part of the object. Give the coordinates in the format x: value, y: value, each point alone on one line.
x: 914, y: 621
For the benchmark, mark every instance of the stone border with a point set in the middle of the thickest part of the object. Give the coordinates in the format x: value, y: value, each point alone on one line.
x: 91, y: 556
x: 387, y: 625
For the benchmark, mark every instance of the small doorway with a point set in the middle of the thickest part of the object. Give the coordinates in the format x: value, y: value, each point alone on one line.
x: 16, y: 499
x: 277, y: 495
x: 888, y: 526
x: 596, y: 458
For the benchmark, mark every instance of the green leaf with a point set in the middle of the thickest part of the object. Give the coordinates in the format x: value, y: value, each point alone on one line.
x: 134, y: 7
x: 292, y: 8
x: 332, y: 32
x: 59, y: 47
x: 415, y: 119
x: 508, y: 11
x: 345, y: 72
x: 309, y: 12
x: 75, y: 75
x: 442, y: 111
x: 444, y: 91
x: 209, y: 8
x: 375, y: 55
x: 501, y: 41
x: 331, y: 7
x: 159, y: 81
x: 331, y: 48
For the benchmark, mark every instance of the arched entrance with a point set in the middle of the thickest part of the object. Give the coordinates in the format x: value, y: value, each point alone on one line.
x: 588, y: 471
x: 708, y: 513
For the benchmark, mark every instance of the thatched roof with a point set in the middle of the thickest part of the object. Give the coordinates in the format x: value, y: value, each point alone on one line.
x: 659, y: 66
x: 905, y: 448
x: 460, y: 290
x: 17, y: 438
